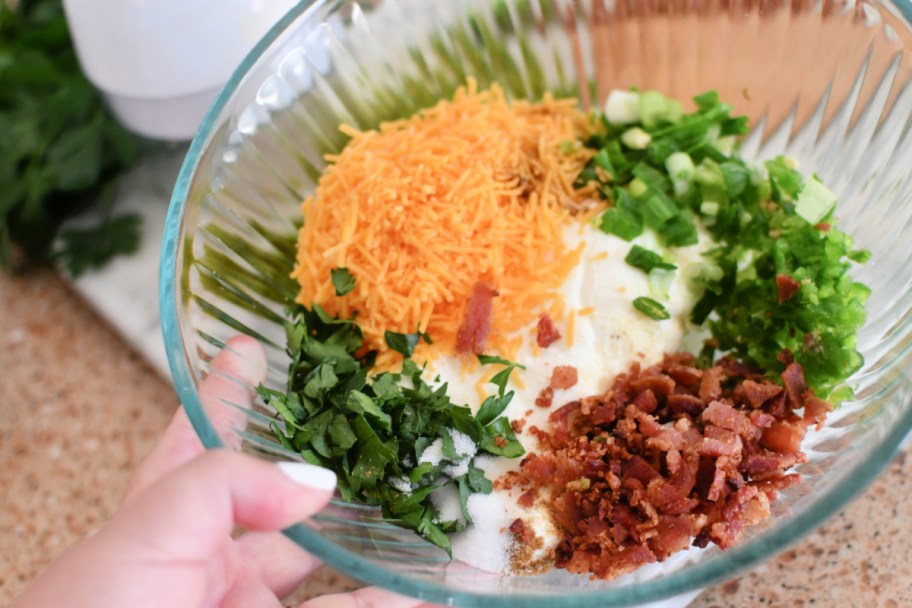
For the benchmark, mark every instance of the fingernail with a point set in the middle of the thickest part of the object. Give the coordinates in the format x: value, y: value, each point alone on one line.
x: 309, y: 475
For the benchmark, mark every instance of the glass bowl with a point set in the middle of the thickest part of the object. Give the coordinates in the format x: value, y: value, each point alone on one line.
x: 825, y: 82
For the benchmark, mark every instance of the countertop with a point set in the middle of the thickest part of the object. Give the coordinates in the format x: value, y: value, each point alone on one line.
x: 79, y: 409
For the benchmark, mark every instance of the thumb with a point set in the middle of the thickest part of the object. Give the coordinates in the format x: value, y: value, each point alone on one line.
x: 191, y: 512
x: 168, y: 542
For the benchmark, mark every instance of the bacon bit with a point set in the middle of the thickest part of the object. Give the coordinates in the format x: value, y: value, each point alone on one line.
x: 563, y: 377
x: 787, y: 287
x: 723, y: 415
x: 662, y: 385
x: 547, y: 333
x: 500, y: 441
x: 646, y: 401
x: 782, y: 437
x: 815, y: 410
x: 758, y: 393
x: 795, y: 384
x: 711, y: 384
x: 684, y: 374
x: 538, y: 468
x: 545, y: 397
x: 822, y: 227
x: 667, y: 455
x: 473, y: 333
x: 732, y: 368
x: 528, y: 498
x: 720, y: 442
x: 520, y: 531
x: 517, y: 425
x: 686, y: 404
x: 763, y: 420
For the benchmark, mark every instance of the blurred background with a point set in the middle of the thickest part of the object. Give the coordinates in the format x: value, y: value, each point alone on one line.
x: 97, y: 107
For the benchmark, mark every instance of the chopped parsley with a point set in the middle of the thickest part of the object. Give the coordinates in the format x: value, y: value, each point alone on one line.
x: 343, y: 281
x: 391, y: 438
x: 666, y: 171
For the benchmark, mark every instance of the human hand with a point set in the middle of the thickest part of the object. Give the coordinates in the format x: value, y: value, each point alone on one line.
x: 171, y: 544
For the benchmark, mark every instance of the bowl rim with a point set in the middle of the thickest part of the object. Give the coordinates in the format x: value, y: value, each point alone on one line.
x: 694, y: 579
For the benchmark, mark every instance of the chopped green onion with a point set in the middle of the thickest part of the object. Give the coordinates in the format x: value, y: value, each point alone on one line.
x: 726, y: 145
x: 658, y: 208
x: 709, y: 208
x: 622, y: 107
x: 646, y: 260
x: 655, y: 107
x: 815, y: 201
x: 636, y: 138
x: 621, y: 223
x: 637, y: 187
x: 651, y: 308
x: 708, y: 173
x: 679, y: 231
x: 680, y: 168
x: 660, y: 284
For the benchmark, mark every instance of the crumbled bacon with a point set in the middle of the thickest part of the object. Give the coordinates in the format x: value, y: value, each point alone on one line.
x: 473, y: 333
x: 758, y: 393
x: 546, y: 333
x: 545, y: 397
x: 668, y: 456
x: 787, y: 287
x: 795, y: 384
x: 564, y: 376
x: 783, y: 436
x: 522, y: 532
x: 815, y: 410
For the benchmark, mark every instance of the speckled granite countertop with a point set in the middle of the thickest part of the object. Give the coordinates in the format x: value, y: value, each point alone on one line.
x: 79, y: 410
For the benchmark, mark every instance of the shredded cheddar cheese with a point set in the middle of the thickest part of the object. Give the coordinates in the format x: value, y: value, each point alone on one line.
x: 476, y: 188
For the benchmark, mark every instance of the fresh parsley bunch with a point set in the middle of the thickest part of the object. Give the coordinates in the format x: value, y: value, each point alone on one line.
x: 667, y: 171
x: 374, y: 431
x: 60, y: 148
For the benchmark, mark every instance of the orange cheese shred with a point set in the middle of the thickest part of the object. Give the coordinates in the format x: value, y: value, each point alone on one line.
x: 419, y: 210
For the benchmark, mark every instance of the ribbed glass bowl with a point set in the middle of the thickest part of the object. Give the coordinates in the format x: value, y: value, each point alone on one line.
x: 825, y: 82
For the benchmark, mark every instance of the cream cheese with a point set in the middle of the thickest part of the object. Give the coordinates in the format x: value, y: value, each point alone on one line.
x: 604, y: 343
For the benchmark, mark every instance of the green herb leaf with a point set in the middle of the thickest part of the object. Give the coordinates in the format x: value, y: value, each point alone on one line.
x: 501, y: 378
x: 373, y: 433
x: 500, y: 440
x: 342, y: 280
x: 404, y: 344
x: 61, y: 151
x: 86, y: 249
x: 495, y: 360
x: 646, y: 260
x: 651, y: 308
x: 492, y: 407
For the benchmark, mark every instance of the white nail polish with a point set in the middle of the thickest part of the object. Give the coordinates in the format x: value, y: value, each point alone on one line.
x: 309, y: 475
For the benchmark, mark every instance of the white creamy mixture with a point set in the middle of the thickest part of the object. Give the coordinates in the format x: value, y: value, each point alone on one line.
x: 605, y: 343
